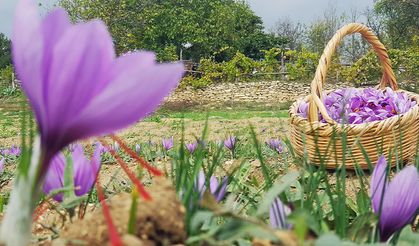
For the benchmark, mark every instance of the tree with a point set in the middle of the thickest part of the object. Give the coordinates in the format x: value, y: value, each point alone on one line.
x: 354, y: 46
x: 322, y: 30
x: 5, y: 51
x: 292, y: 33
x: 401, y: 20
x: 215, y: 28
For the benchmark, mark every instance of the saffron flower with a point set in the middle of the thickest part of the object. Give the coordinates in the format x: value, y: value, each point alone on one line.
x: 75, y: 84
x: 167, y: 143
x: 217, y: 189
x: 2, y: 161
x: 230, y: 143
x: 77, y: 88
x: 353, y: 106
x: 276, y: 145
x: 396, y: 202
x: 84, y: 172
x: 278, y: 214
x: 192, y: 147
x: 137, y: 148
x: 12, y: 151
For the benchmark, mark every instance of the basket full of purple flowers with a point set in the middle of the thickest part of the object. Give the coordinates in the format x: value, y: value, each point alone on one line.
x: 345, y: 126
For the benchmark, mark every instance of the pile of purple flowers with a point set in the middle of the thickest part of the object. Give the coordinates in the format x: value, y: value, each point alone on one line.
x: 353, y: 106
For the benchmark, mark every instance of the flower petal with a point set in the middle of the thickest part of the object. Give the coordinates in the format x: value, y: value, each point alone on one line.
x: 134, y: 74
x: 85, y: 171
x: 78, y: 72
x: 55, y: 175
x: 1, y: 164
x: 221, y: 190
x: 401, y: 202
x: 278, y: 215
x: 27, y: 47
x: 378, y: 183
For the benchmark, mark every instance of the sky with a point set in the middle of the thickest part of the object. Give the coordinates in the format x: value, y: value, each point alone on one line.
x: 304, y: 11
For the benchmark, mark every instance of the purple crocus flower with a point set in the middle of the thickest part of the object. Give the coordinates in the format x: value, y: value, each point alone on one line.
x: 217, y: 189
x: 278, y: 213
x: 137, y: 148
x: 15, y: 151
x: 230, y: 143
x: 396, y: 202
x: 1, y: 164
x: 353, y: 106
x: 192, y: 147
x: 84, y: 171
x: 167, y: 143
x: 276, y: 145
x: 76, y: 85
x: 77, y: 88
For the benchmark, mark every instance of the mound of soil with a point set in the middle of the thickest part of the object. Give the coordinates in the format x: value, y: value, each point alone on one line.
x: 158, y: 222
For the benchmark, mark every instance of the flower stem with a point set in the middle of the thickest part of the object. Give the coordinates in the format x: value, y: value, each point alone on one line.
x: 15, y: 229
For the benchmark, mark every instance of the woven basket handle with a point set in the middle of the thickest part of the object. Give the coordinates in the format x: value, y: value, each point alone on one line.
x: 316, y: 102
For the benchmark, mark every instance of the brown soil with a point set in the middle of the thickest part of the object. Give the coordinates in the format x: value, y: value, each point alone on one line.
x: 158, y: 222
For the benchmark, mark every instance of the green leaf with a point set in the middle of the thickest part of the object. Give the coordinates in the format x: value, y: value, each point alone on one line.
x: 69, y: 179
x: 361, y: 227
x: 408, y: 237
x: 275, y: 191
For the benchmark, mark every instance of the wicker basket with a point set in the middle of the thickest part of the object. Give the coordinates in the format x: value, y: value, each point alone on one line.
x: 397, y: 135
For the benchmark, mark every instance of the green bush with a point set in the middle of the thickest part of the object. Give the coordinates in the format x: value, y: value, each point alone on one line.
x: 405, y: 65
x: 302, y: 64
x: 239, y: 68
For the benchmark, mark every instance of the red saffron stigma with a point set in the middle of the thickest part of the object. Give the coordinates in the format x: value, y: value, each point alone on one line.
x: 136, y: 157
x: 113, y: 233
x: 40, y: 210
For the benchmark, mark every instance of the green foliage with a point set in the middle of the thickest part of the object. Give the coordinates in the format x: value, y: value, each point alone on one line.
x: 216, y: 28
x: 302, y: 64
x: 239, y: 67
x: 405, y: 64
x: 400, y: 19
x: 5, y: 52
x: 169, y: 53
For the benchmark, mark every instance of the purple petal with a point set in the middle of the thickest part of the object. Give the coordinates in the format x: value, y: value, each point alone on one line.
x: 401, y: 202
x: 201, y: 182
x: 1, y: 164
x: 278, y: 213
x: 85, y: 171
x: 378, y: 183
x: 86, y: 53
x: 143, y: 85
x: 221, y: 190
x: 213, y: 184
x: 54, y: 178
x: 137, y: 148
x: 27, y: 47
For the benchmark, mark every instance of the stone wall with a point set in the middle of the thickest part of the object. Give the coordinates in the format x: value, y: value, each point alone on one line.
x: 272, y: 92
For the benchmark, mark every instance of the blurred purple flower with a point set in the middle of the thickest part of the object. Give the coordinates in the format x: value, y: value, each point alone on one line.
x: 12, y: 151
x: 278, y: 213
x: 276, y: 145
x: 76, y: 85
x: 137, y: 148
x: 230, y: 143
x: 397, y: 201
x: 217, y: 189
x: 15, y: 151
x: 102, y: 149
x: 2, y: 161
x: 167, y: 143
x: 84, y: 172
x: 115, y: 146
x: 355, y: 107
x: 192, y: 147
